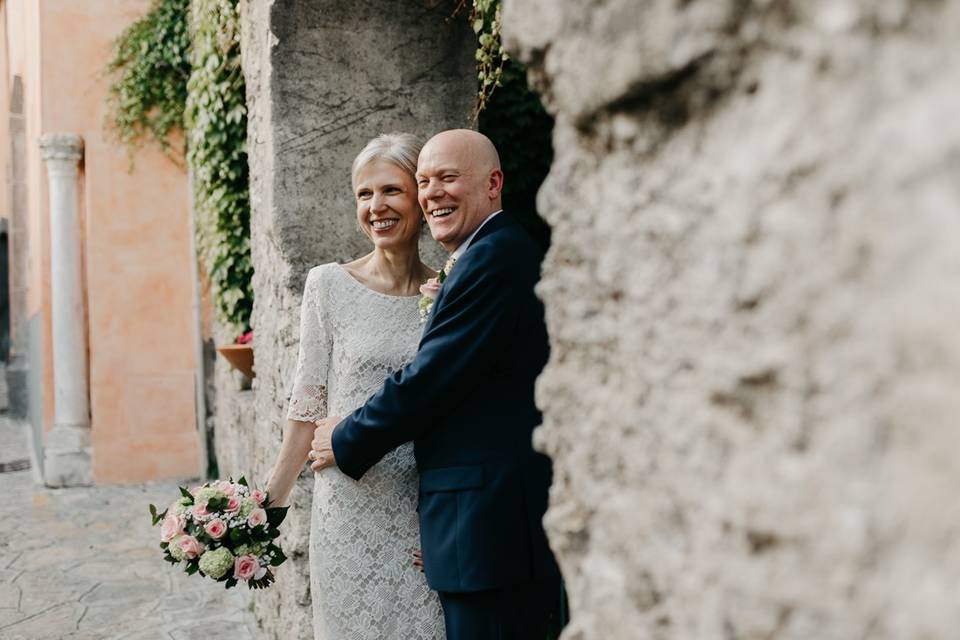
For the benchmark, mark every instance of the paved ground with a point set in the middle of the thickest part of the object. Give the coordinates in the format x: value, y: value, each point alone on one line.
x: 84, y: 564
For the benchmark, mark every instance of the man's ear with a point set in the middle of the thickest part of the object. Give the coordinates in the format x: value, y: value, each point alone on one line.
x: 495, y: 184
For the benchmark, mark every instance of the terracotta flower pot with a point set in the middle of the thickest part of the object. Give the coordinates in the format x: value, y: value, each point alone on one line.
x: 240, y: 357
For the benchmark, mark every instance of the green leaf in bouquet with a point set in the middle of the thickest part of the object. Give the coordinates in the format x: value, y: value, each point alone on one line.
x: 192, y: 568
x: 238, y: 536
x: 164, y: 545
x: 231, y: 583
x: 217, y: 504
x: 276, y: 515
x: 186, y: 494
x: 274, y: 533
x: 278, y: 557
x: 243, y: 481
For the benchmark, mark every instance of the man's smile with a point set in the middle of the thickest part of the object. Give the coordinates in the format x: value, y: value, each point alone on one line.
x: 441, y: 213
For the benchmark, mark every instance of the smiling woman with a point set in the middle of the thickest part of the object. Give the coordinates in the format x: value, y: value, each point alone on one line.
x: 387, y: 209
x: 388, y: 213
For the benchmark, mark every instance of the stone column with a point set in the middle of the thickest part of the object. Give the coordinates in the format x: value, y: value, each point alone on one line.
x: 67, y: 453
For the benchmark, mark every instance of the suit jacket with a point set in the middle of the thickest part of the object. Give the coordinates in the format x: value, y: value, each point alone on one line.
x: 467, y: 403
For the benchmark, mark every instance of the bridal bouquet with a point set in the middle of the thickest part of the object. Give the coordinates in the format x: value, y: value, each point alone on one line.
x: 223, y: 530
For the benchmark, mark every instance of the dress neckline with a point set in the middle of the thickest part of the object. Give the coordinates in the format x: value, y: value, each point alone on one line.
x: 349, y: 277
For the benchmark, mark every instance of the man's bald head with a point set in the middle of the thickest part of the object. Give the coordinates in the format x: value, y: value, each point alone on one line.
x: 459, y: 182
x: 473, y: 145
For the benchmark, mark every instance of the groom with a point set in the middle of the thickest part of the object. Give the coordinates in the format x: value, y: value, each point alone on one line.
x: 466, y: 401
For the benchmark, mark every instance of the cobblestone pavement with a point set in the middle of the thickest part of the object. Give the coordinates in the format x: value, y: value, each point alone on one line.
x: 84, y: 564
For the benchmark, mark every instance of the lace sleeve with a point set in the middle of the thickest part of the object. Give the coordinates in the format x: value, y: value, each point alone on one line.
x: 308, y: 400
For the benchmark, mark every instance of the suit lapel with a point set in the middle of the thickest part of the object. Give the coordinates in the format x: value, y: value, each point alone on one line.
x: 498, y: 221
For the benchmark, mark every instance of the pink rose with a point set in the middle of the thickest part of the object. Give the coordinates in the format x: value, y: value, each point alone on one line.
x: 195, y: 490
x: 215, y: 528
x: 430, y: 288
x: 227, y: 487
x: 171, y: 527
x: 200, y: 509
x: 245, y: 567
x: 257, y: 517
x: 190, y: 546
x: 233, y: 504
x: 258, y: 496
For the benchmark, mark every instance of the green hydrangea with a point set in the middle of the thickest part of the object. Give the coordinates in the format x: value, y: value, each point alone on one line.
x: 216, y: 563
x: 180, y: 507
x: 253, y: 549
x: 246, y: 506
x: 424, y: 305
x: 175, y: 550
x: 209, y: 493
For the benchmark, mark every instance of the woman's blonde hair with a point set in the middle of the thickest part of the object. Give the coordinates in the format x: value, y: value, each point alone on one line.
x: 400, y: 149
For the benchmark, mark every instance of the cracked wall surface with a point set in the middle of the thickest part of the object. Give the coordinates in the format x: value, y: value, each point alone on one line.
x: 323, y: 77
x: 752, y: 297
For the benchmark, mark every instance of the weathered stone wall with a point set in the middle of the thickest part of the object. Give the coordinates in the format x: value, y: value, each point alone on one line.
x: 323, y: 77
x: 752, y: 293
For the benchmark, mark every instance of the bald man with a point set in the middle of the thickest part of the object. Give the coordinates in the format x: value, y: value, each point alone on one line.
x: 466, y: 402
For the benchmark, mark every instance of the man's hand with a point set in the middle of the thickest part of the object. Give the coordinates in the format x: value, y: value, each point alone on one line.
x: 322, y: 452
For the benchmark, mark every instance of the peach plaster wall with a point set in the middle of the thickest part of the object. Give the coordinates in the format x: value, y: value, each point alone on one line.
x: 138, y: 260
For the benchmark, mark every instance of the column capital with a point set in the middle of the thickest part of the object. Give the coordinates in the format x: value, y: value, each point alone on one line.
x: 61, y: 146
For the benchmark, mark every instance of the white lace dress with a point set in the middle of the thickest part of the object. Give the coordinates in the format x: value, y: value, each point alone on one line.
x: 363, y: 534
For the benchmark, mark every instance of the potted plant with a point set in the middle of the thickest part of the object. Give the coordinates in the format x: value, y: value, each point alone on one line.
x: 240, y: 354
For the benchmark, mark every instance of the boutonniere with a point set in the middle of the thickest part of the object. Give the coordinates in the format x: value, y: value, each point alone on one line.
x: 431, y: 288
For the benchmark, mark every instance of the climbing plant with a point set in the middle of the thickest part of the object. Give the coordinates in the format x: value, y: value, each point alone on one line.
x: 151, y: 64
x: 216, y: 119
x: 491, y: 58
x: 513, y: 117
x: 177, y: 69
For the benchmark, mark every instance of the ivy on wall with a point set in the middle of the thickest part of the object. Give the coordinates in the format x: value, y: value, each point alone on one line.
x: 150, y: 60
x: 178, y: 69
x: 491, y: 58
x: 216, y: 119
x: 513, y: 117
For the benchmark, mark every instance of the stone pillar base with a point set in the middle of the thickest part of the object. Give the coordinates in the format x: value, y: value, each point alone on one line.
x: 67, y: 461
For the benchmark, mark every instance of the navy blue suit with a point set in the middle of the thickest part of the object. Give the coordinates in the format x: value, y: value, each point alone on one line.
x: 467, y: 403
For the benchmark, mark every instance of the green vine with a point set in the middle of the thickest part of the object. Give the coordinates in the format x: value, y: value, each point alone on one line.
x: 216, y: 116
x: 512, y: 116
x: 178, y: 70
x: 151, y: 58
x: 491, y: 58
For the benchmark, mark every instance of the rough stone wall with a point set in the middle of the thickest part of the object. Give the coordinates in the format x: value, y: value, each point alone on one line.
x: 752, y: 294
x: 323, y: 77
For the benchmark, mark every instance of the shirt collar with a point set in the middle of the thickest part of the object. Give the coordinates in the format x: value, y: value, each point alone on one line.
x: 466, y: 243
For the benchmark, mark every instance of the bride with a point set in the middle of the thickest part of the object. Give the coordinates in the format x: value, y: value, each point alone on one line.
x: 359, y: 323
